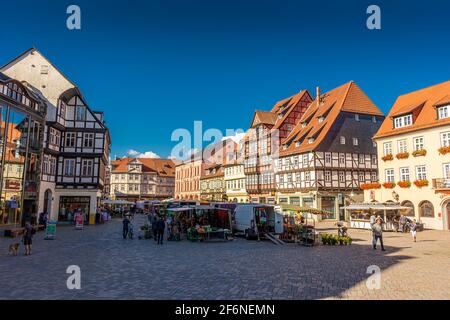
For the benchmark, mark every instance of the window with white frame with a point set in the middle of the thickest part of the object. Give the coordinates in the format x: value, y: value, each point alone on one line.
x: 402, y: 146
x: 404, y: 174
x: 361, y: 177
x: 418, y: 143
x: 341, y: 176
x: 88, y: 140
x: 355, y: 141
x: 328, y: 176
x: 45, y: 165
x: 70, y: 139
x: 373, y: 176
x: 361, y: 159
x: 374, y: 119
x: 69, y: 167
x: 356, y: 117
x: 342, y: 140
x: 443, y: 112
x: 342, y: 159
x: 327, y: 158
x: 305, y: 159
x: 403, y: 121
x: 445, y: 139
x: 389, y: 175
x: 374, y: 159
x: 421, y: 172
x: 87, y: 167
x: 80, y: 113
x: 387, y: 148
x: 307, y: 176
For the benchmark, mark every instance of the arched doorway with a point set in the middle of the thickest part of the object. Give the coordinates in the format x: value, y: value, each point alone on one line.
x: 409, y: 204
x: 47, y: 201
x: 446, y: 214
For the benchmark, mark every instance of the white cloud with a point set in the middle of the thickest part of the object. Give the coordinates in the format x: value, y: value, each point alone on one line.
x: 146, y: 154
x: 236, y: 138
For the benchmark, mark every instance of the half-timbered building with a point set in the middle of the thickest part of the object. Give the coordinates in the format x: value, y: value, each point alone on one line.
x: 330, y: 153
x: 261, y: 144
x: 76, y: 140
x: 22, y: 119
x: 135, y: 179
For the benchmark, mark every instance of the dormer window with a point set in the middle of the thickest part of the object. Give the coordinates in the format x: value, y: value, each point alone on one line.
x: 311, y: 140
x: 356, y: 117
x: 304, y: 124
x: 321, y: 119
x: 403, y: 121
x: 444, y: 112
x: 285, y: 146
x: 297, y: 144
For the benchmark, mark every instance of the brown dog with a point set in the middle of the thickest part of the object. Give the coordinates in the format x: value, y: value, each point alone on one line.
x: 13, y: 249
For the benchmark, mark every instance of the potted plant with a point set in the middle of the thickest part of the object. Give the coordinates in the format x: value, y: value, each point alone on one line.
x: 369, y: 186
x: 402, y: 155
x: 389, y: 185
x: 421, y: 183
x: 404, y: 184
x: 420, y: 153
x: 388, y: 157
x: 444, y: 150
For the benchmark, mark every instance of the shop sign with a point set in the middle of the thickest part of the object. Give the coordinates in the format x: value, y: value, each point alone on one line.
x: 50, y: 231
x: 12, y: 184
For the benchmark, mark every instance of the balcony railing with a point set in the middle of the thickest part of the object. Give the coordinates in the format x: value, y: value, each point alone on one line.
x: 441, y: 184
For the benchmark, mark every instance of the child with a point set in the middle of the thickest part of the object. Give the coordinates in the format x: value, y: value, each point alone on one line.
x: 413, y: 228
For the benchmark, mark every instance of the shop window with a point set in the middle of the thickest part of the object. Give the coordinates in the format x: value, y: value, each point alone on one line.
x: 426, y: 209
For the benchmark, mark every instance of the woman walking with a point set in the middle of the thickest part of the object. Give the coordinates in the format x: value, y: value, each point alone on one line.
x: 413, y: 228
x: 27, y: 238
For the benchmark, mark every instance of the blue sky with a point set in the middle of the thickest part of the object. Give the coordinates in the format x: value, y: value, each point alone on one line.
x: 154, y: 66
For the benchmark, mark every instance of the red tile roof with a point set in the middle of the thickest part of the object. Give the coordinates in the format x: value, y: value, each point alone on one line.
x: 163, y: 167
x: 429, y: 98
x: 348, y: 98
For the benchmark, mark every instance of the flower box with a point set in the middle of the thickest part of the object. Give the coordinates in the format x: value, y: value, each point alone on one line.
x: 388, y: 157
x: 389, y: 185
x: 419, y: 153
x: 444, y: 150
x: 404, y: 184
x: 421, y: 183
x: 369, y: 186
x: 402, y: 155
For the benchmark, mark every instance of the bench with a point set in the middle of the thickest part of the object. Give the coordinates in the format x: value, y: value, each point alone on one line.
x: 14, y: 232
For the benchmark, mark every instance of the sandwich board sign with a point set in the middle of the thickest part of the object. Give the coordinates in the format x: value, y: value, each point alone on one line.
x: 50, y: 231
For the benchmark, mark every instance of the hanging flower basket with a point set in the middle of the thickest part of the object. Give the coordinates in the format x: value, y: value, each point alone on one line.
x: 404, y: 184
x: 402, y: 155
x: 421, y: 183
x: 389, y: 185
x: 370, y: 186
x: 419, y: 153
x: 388, y: 157
x: 444, y: 150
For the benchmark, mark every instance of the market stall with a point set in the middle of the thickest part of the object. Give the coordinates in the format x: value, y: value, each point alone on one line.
x: 358, y: 214
x: 299, y: 222
x: 209, y: 223
x: 117, y: 206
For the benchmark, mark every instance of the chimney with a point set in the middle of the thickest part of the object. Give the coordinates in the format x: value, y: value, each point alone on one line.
x: 318, y: 94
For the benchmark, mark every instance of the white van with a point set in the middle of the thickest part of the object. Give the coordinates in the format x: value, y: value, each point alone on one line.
x: 254, y: 220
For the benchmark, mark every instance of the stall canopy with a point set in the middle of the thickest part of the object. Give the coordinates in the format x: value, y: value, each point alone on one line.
x: 304, y: 209
x: 377, y: 206
x: 118, y: 202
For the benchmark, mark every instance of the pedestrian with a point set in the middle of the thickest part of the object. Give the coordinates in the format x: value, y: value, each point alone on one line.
x: 402, y: 223
x: 155, y: 227
x: 130, y: 229
x: 125, y: 224
x: 28, y: 237
x: 413, y: 228
x: 161, y: 225
x: 377, y: 233
x: 372, y: 220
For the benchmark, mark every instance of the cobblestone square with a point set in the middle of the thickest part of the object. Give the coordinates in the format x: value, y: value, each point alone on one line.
x: 113, y: 268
